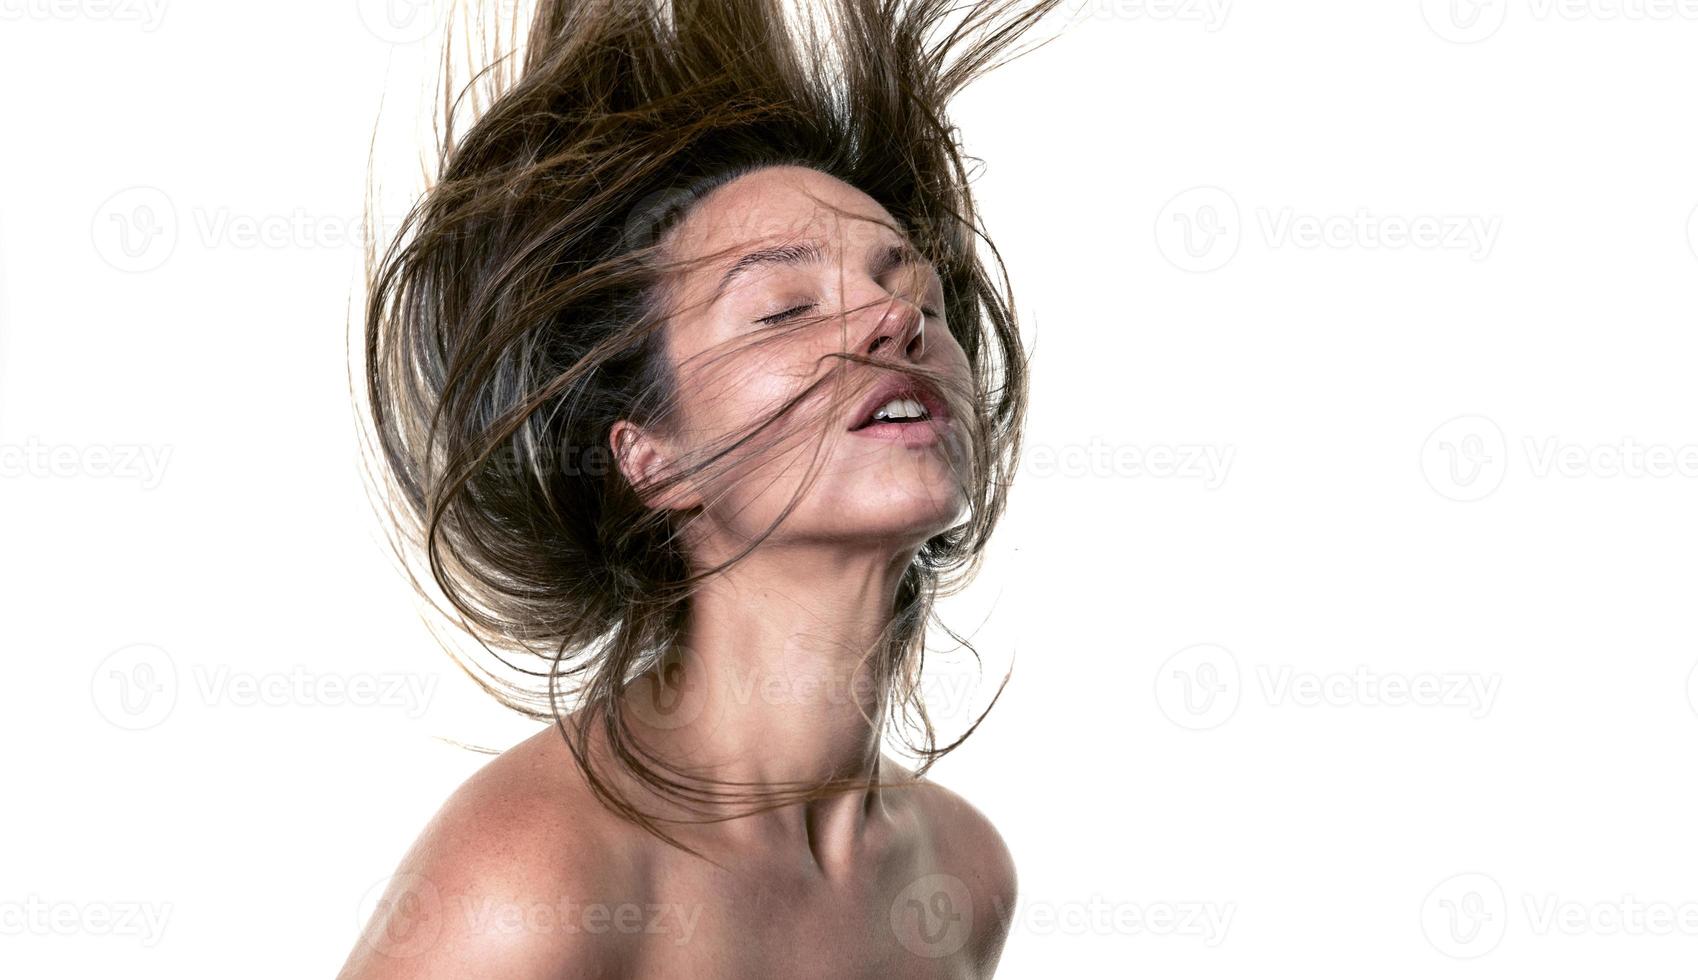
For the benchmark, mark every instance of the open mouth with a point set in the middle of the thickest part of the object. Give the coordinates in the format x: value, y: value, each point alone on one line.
x: 897, y: 411
x: 899, y: 403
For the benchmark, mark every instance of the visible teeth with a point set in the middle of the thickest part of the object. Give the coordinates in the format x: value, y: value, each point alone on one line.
x: 900, y: 408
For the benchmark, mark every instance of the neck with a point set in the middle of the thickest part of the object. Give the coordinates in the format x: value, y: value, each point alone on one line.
x: 776, y: 682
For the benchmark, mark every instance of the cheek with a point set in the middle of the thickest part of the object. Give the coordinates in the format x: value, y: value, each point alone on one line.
x: 740, y: 393
x: 725, y: 393
x: 948, y: 350
x: 730, y: 389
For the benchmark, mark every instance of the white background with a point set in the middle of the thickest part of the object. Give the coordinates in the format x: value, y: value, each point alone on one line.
x: 1431, y: 313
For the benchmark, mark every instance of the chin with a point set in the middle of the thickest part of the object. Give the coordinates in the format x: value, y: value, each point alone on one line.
x: 898, y: 516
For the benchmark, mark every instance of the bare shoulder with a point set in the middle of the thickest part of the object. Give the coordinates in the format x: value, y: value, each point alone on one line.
x: 967, y: 845
x: 520, y: 874
x: 962, y: 835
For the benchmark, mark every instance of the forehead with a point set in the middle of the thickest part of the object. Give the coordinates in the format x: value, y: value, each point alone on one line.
x: 783, y: 204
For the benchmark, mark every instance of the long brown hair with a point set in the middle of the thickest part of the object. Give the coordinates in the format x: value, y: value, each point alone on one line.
x: 515, y: 317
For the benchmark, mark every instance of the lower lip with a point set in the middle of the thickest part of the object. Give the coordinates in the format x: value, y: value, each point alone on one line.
x: 924, y: 433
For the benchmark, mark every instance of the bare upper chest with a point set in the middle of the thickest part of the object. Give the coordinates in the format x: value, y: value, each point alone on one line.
x: 906, y: 925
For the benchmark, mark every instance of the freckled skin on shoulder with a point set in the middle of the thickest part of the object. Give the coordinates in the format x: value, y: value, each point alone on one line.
x: 972, y: 873
x: 523, y: 874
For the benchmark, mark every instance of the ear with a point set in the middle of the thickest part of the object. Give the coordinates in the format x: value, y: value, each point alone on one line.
x: 645, y: 459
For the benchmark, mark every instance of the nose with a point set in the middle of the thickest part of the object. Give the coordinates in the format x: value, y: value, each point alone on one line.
x: 899, y: 333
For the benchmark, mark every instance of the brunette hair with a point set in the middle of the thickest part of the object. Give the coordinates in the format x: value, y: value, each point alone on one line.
x: 514, y: 318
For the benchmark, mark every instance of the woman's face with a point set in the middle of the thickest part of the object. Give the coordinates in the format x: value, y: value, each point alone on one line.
x: 800, y: 265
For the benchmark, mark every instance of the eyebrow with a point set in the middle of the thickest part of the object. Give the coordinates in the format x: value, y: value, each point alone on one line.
x: 899, y: 255
x: 803, y: 253
x: 795, y: 254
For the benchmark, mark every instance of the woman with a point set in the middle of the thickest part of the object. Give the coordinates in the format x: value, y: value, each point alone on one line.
x: 690, y: 385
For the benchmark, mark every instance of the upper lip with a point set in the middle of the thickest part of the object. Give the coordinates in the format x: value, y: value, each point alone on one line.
x: 899, y: 386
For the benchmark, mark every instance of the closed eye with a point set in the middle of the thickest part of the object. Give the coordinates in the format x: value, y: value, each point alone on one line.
x: 783, y: 315
x: 787, y: 314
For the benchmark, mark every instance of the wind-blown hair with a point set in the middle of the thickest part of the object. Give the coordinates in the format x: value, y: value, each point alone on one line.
x: 516, y: 316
